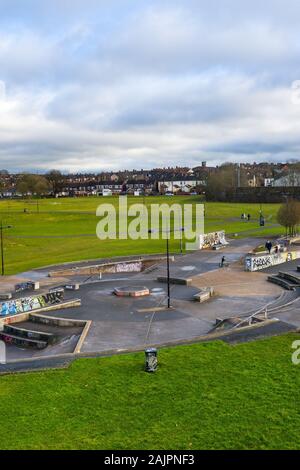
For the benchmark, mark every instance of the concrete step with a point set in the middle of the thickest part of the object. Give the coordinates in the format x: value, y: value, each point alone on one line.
x: 175, y: 280
x: 49, y: 338
x: 23, y: 342
x: 282, y: 282
x: 204, y: 295
x: 293, y: 278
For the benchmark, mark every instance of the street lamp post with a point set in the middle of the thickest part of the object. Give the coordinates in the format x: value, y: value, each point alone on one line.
x: 168, y: 274
x: 261, y: 216
x: 168, y: 268
x: 181, y: 240
x: 2, y: 227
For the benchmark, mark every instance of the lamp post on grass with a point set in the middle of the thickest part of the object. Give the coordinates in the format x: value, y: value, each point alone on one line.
x: 168, y: 274
x: 2, y: 227
x: 181, y: 240
x: 168, y: 267
x: 261, y: 216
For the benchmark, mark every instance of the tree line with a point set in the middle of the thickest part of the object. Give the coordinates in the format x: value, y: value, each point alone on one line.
x: 29, y: 184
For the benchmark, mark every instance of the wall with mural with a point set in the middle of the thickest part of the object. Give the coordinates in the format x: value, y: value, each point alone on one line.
x: 120, y: 266
x: 209, y: 240
x: 263, y: 261
x: 27, y: 304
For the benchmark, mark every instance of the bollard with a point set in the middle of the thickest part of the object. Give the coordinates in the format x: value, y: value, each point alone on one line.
x: 151, y: 360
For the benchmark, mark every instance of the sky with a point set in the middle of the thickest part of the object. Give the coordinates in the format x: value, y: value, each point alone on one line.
x: 94, y: 85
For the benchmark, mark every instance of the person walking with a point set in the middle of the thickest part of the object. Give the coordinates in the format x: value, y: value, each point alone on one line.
x: 268, y: 246
x: 223, y: 261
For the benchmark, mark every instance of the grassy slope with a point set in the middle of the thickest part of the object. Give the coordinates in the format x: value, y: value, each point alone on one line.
x: 206, y: 396
x: 77, y: 217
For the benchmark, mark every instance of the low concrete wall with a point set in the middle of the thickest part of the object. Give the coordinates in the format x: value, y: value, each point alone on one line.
x: 28, y: 304
x: 11, y: 319
x: 257, y: 262
x: 204, y: 295
x: 63, y: 305
x: 29, y: 285
x: 175, y: 280
x: 83, y: 337
x: 136, y: 265
x: 56, y: 321
x: 7, y: 296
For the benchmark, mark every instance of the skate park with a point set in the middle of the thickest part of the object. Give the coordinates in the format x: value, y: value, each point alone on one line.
x: 104, y: 307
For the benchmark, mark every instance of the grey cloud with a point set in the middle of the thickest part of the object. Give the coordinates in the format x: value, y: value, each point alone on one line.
x: 94, y: 84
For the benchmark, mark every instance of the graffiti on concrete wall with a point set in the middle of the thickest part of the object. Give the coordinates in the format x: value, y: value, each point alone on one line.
x: 27, y: 286
x: 209, y: 240
x: 13, y: 307
x: 262, y: 262
x: 129, y: 267
x: 259, y: 262
x: 125, y: 267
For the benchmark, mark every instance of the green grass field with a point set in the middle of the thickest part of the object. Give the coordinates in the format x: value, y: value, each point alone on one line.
x: 205, y: 396
x: 32, y: 241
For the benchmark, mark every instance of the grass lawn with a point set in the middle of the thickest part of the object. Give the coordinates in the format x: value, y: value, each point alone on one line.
x: 204, y: 396
x: 33, y: 242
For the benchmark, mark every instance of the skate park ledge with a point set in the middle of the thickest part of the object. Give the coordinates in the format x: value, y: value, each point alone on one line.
x: 125, y: 266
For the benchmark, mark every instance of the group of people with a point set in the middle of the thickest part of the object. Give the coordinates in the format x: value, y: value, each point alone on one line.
x: 269, y: 246
x: 246, y: 217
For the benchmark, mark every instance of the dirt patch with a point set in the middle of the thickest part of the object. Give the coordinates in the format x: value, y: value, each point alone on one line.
x: 235, y: 281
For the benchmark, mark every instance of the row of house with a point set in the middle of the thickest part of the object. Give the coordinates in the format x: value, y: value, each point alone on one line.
x: 180, y: 186
x: 292, y: 179
x: 173, y: 180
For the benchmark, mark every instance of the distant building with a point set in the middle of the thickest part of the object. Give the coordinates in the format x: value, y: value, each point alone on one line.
x: 269, y: 182
x: 252, y: 182
x: 187, y: 185
x: 290, y: 180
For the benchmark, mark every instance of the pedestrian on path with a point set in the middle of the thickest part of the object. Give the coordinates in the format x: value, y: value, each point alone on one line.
x: 268, y: 246
x: 223, y: 261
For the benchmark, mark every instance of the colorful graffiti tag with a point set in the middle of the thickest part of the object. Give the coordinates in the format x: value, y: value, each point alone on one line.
x: 209, y: 240
x: 129, y: 267
x: 27, y: 286
x: 27, y: 304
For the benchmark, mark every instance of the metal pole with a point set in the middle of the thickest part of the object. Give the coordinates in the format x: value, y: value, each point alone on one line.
x: 181, y: 241
x: 168, y: 272
x: 2, y: 250
x: 239, y: 175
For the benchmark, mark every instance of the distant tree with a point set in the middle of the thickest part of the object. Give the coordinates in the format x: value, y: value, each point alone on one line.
x: 22, y: 185
x: 56, y: 180
x: 3, y: 180
x: 41, y: 186
x: 289, y: 216
x: 32, y: 185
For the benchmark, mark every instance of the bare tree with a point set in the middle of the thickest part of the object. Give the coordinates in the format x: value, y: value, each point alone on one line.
x: 56, y: 180
x: 33, y: 185
x: 289, y: 216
